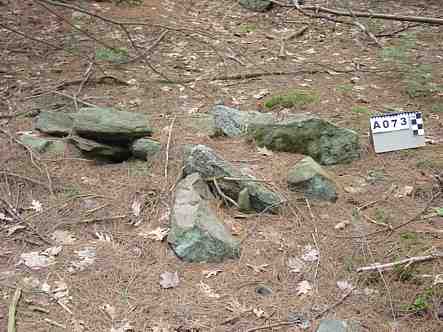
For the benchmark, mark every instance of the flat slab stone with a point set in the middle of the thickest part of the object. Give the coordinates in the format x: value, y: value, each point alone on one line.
x: 108, y: 125
x: 101, y: 151
x: 55, y: 123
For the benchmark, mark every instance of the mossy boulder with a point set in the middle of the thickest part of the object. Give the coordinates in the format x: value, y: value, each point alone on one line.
x: 317, y: 138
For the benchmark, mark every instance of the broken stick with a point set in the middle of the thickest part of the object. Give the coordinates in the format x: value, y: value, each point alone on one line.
x: 408, y: 261
x: 13, y: 310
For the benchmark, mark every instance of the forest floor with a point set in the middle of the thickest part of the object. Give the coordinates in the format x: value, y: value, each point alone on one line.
x: 199, y: 50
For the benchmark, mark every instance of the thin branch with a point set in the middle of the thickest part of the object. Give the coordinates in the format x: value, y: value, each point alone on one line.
x: 167, y: 147
x: 404, y: 18
x: 408, y: 261
x: 13, y: 310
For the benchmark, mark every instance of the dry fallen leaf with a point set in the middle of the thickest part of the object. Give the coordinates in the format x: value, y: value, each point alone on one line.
x: 136, y: 206
x: 258, y: 268
x: 169, y: 279
x: 303, y: 287
x: 110, y: 310
x: 264, y: 151
x: 63, y: 237
x: 122, y: 326
x: 157, y: 234
x: 104, y: 237
x: 3, y: 217
x: 208, y: 290
x: 211, y: 273
x: 12, y: 229
x: 295, y: 265
x: 36, y: 206
x: 342, y: 225
x: 310, y: 254
x: 258, y: 312
x: 344, y: 285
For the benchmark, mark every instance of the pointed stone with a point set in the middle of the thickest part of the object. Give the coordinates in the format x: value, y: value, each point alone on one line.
x: 310, y: 178
x: 197, y: 234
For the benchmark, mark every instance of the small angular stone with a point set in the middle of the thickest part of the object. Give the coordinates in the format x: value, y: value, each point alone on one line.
x: 55, y: 123
x: 145, y: 148
x: 310, y: 178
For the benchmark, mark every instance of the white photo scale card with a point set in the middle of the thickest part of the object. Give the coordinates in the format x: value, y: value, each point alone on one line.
x: 397, y: 131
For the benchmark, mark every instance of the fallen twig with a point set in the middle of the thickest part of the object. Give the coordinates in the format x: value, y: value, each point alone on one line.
x: 167, y: 147
x: 340, y: 301
x: 404, y: 18
x: 13, y: 310
x: 88, y: 221
x: 222, y: 194
x: 54, y: 323
x: 408, y: 261
x: 270, y: 326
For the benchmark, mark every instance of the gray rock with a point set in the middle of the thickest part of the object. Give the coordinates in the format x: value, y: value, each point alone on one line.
x: 203, y: 160
x: 100, y: 151
x: 55, y: 123
x: 256, y: 5
x: 320, y: 139
x: 108, y: 125
x: 36, y: 143
x: 232, y: 122
x: 203, y: 123
x: 145, y: 148
x: 310, y: 178
x: 263, y: 290
x: 196, y: 234
x: 332, y: 325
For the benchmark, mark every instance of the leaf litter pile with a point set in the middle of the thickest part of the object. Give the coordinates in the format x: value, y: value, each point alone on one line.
x: 83, y: 244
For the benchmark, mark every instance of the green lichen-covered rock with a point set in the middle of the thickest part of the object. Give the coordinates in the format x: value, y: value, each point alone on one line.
x: 232, y: 122
x: 145, y: 148
x: 256, y: 5
x: 244, y: 202
x: 36, y: 143
x: 55, y: 123
x: 334, y: 325
x: 108, y: 125
x: 203, y: 160
x: 100, y: 151
x: 310, y: 178
x: 320, y: 139
x: 196, y: 233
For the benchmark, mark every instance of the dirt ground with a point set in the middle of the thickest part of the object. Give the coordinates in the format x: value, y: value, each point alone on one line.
x: 204, y: 46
